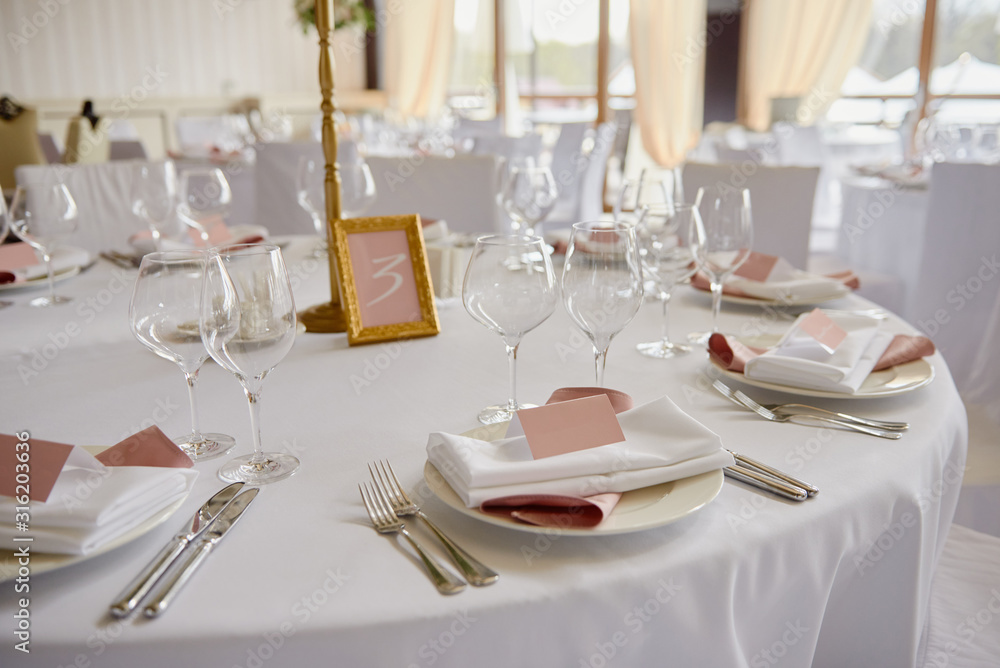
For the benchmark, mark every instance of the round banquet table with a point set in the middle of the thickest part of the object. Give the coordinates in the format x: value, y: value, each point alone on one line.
x: 748, y: 580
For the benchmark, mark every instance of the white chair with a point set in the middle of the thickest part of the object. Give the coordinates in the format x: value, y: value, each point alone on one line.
x: 781, y: 199
x: 460, y: 190
x: 581, y: 182
x: 103, y: 198
x: 127, y: 149
x: 53, y: 154
x: 962, y: 629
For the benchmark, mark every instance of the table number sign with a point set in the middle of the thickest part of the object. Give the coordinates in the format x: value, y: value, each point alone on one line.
x: 384, y: 278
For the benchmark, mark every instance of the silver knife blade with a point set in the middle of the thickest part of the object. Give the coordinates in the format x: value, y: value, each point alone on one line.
x: 213, y: 534
x: 144, y: 581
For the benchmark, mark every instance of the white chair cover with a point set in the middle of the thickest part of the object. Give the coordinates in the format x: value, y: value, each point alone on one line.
x: 581, y: 182
x: 460, y: 190
x: 781, y: 199
x: 512, y: 149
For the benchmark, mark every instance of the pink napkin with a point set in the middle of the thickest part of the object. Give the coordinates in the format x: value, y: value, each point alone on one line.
x: 733, y: 355
x: 149, y: 447
x: 701, y: 282
x: 15, y: 256
x: 563, y: 511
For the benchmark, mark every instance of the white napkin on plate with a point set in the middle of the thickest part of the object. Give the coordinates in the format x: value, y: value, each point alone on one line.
x: 662, y: 443
x: 786, y: 283
x: 63, y: 258
x: 800, y: 361
x: 92, y: 505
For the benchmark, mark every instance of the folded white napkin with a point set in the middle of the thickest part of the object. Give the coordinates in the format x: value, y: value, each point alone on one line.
x: 786, y: 283
x: 63, y: 258
x: 92, y: 505
x: 662, y: 443
x: 800, y: 361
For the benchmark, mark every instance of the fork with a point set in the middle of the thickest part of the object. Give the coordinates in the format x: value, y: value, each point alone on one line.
x: 386, y: 521
x: 385, y: 479
x: 740, y: 397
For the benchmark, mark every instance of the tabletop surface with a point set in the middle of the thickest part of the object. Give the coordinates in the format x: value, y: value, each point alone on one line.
x: 842, y: 579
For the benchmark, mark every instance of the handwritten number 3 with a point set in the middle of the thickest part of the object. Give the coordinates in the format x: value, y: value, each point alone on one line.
x: 390, y: 262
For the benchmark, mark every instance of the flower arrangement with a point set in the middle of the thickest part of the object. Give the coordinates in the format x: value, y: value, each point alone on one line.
x: 345, y: 13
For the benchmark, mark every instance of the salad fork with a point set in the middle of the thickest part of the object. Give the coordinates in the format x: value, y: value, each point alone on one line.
x: 385, y: 479
x: 385, y: 521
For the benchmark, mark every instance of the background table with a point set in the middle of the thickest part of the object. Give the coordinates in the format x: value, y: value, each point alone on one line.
x: 842, y: 579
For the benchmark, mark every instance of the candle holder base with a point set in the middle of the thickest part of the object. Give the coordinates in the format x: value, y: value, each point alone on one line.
x: 325, y: 318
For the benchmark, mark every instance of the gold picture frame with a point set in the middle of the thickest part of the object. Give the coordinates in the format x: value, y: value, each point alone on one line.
x: 384, y: 278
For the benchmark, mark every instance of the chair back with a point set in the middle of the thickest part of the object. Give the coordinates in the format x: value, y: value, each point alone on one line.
x: 49, y: 147
x: 581, y: 181
x: 781, y: 200
x: 19, y: 139
x: 86, y: 144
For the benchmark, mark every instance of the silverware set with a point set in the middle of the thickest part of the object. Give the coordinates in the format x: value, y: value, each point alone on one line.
x: 385, y: 500
x: 206, y: 528
x: 122, y: 260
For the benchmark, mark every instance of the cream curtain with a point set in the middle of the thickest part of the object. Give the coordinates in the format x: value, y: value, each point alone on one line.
x: 668, y: 55
x: 801, y: 49
x: 418, y: 40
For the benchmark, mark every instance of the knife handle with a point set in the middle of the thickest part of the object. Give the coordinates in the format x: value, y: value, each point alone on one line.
x: 749, y: 463
x: 140, y: 586
x: 171, y: 587
x: 766, y: 482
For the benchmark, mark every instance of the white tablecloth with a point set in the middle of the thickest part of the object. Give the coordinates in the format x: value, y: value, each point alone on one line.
x: 749, y: 580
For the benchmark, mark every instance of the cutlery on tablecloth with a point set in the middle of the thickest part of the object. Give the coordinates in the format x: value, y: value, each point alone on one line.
x: 385, y: 521
x: 749, y: 463
x: 140, y: 586
x: 475, y: 572
x: 215, y: 532
x: 766, y: 482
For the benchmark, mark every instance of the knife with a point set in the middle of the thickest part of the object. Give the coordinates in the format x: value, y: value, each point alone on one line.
x: 140, y: 586
x: 766, y: 482
x: 749, y: 463
x: 213, y: 534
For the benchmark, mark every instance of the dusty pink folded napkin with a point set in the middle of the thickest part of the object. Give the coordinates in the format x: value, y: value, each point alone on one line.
x: 732, y: 355
x: 557, y: 510
x: 701, y: 282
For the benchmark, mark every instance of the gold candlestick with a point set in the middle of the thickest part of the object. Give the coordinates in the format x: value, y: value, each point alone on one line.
x: 328, y: 317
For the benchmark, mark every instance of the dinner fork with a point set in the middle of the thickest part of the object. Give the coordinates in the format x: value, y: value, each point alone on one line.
x: 385, y: 521
x: 742, y: 398
x: 385, y: 479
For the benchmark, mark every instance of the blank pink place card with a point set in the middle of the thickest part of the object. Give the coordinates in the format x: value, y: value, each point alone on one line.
x: 567, y: 426
x: 757, y: 267
x: 821, y: 327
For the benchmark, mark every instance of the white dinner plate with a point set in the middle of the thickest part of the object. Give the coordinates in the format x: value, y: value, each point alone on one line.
x: 42, y: 281
x: 640, y: 509
x: 890, y: 382
x: 42, y: 562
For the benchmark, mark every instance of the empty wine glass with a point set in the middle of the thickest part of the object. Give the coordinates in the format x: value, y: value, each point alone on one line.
x: 602, y: 283
x: 528, y: 197
x: 309, y: 188
x: 722, y: 239
x: 4, y: 230
x: 663, y: 236
x: 654, y: 187
x: 248, y: 326
x: 510, y: 289
x: 204, y: 197
x: 357, y: 189
x: 164, y: 314
x: 43, y: 215
x: 154, y: 199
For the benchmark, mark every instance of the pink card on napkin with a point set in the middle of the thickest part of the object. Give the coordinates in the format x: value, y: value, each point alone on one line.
x: 757, y: 267
x: 17, y: 256
x: 40, y: 463
x: 822, y: 328
x: 567, y: 426
x: 149, y: 447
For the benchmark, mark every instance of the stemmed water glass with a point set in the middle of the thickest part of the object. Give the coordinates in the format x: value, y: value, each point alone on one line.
x: 248, y: 326
x: 164, y: 314
x: 510, y: 289
x: 357, y: 192
x: 43, y: 215
x: 204, y: 197
x: 652, y: 188
x: 528, y: 197
x: 602, y: 283
x: 668, y: 259
x: 154, y: 198
x: 722, y: 239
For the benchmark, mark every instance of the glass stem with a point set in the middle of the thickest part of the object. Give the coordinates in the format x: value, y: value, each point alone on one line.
x: 258, y: 457
x: 512, y: 374
x: 192, y: 378
x: 716, y: 303
x: 600, y: 355
x: 666, y: 317
x: 48, y: 270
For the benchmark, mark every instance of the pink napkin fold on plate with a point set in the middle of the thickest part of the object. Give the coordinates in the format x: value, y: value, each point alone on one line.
x: 700, y: 281
x: 149, y: 447
x: 15, y: 256
x: 557, y: 510
x: 733, y: 355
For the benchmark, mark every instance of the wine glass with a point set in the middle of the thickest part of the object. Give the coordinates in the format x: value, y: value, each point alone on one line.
x: 43, y: 215
x: 528, y: 197
x: 4, y: 230
x: 204, y: 197
x: 309, y: 188
x: 248, y: 326
x: 510, y: 289
x: 164, y: 314
x: 602, y: 283
x: 154, y: 199
x: 357, y: 189
x: 722, y: 238
x: 653, y: 187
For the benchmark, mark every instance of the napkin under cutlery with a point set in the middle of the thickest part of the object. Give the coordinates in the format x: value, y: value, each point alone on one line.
x: 782, y: 282
x: 19, y: 263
